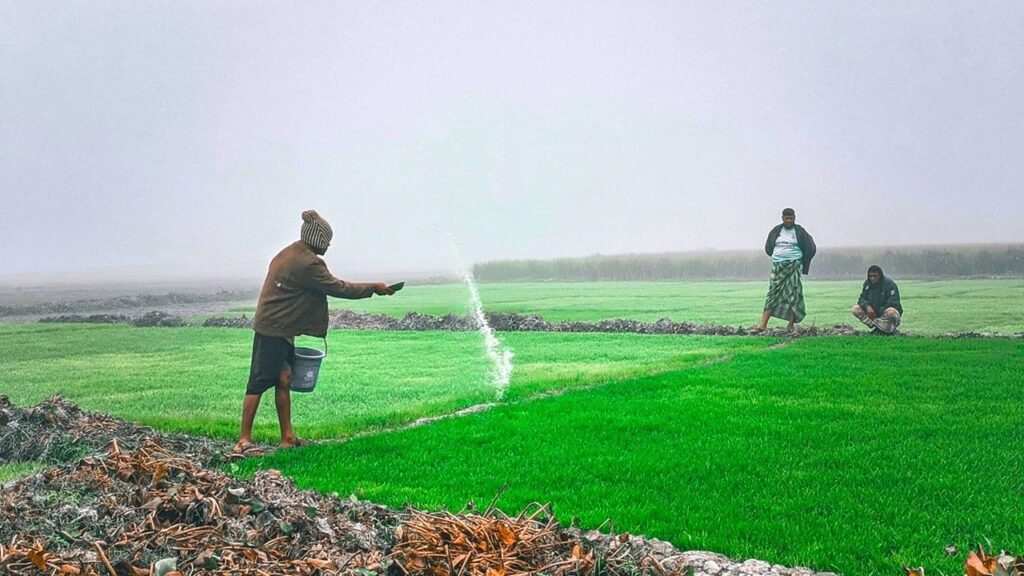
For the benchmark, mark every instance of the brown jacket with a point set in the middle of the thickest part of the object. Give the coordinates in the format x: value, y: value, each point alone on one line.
x: 293, y: 300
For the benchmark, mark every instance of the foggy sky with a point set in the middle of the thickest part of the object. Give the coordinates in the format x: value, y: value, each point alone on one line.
x: 187, y: 137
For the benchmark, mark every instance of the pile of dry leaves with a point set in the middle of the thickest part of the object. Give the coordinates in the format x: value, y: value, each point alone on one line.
x: 152, y: 512
x: 493, y: 544
x: 147, y: 511
x: 981, y: 563
x: 148, y: 504
x: 57, y: 431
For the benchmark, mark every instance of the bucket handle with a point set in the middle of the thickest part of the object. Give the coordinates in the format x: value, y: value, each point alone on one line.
x: 324, y: 338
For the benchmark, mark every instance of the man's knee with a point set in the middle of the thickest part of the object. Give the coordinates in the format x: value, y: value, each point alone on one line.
x: 892, y: 312
x: 285, y: 380
x: 857, y: 311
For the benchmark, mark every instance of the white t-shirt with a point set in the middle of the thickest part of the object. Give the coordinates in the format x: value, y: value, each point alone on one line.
x: 786, y: 247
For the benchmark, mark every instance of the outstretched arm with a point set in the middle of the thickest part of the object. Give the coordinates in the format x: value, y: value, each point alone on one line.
x: 324, y: 281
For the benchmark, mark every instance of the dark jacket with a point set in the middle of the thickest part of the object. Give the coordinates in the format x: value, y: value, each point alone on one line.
x: 885, y: 294
x: 803, y: 239
x: 293, y: 300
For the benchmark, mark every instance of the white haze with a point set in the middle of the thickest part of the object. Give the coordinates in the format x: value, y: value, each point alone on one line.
x: 185, y: 138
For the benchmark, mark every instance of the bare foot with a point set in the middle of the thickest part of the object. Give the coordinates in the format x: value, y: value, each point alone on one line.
x: 245, y: 448
x: 293, y: 442
x: 758, y: 330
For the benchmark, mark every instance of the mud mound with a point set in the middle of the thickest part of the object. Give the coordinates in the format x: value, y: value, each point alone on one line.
x: 149, y: 319
x: 90, y: 319
x: 503, y: 322
x: 133, y: 301
x: 511, y: 322
x: 228, y: 322
x: 158, y: 318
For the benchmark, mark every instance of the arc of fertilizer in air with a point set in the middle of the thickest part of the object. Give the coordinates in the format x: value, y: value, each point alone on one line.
x: 500, y: 354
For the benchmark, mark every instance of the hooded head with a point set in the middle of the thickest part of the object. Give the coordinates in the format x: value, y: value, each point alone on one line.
x: 316, y: 232
x: 875, y: 274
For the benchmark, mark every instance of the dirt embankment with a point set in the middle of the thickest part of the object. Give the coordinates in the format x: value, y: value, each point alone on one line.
x: 502, y: 322
x: 132, y: 502
x: 134, y: 301
x: 184, y: 304
x: 149, y: 319
x: 512, y: 322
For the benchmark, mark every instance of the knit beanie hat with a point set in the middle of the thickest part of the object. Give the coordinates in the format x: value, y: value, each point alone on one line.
x: 315, y: 230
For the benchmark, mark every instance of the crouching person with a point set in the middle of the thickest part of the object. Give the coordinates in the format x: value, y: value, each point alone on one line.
x: 293, y: 302
x: 879, y: 306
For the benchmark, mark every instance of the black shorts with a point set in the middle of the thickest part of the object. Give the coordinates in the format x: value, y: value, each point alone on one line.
x: 270, y: 356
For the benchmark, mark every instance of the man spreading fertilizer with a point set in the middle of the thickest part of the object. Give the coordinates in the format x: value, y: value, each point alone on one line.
x: 293, y: 302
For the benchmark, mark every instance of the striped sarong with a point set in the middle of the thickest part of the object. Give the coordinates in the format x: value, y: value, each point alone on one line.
x: 786, y: 292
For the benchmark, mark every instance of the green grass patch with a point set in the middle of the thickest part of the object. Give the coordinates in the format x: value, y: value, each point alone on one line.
x: 193, y: 379
x: 854, y: 455
x: 14, y: 470
x: 932, y: 307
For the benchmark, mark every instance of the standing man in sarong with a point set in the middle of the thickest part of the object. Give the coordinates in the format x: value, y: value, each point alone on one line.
x: 293, y: 302
x: 879, y: 306
x: 791, y: 249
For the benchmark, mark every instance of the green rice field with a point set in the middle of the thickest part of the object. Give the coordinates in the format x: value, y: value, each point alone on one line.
x: 931, y: 307
x: 847, y: 456
x: 852, y: 454
x: 193, y: 379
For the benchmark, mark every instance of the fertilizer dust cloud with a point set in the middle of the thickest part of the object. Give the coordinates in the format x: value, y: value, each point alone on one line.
x: 499, y: 354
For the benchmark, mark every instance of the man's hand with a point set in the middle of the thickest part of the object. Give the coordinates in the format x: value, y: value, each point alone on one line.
x: 381, y: 289
x: 871, y: 312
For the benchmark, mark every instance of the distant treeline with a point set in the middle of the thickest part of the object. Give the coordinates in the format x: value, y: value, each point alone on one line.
x: 927, y: 262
